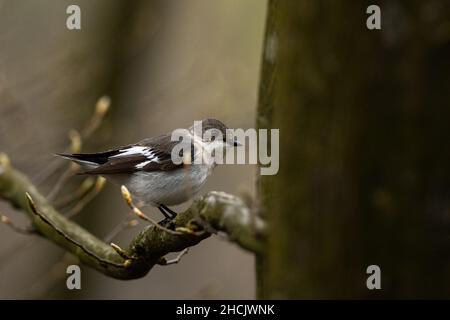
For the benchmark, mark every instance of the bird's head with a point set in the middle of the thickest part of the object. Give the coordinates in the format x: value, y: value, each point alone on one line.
x: 215, y: 134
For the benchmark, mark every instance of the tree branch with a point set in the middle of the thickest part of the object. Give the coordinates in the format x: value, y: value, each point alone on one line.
x: 214, y: 212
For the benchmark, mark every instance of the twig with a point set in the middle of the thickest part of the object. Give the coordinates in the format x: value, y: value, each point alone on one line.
x: 99, y: 184
x: 69, y: 172
x: 122, y: 252
x: 164, y: 262
x: 72, y: 168
x: 86, y: 186
x: 4, y: 162
x: 124, y: 224
x: 101, y: 109
x: 8, y: 222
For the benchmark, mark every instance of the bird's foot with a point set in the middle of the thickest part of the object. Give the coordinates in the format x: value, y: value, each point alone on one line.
x: 164, y: 221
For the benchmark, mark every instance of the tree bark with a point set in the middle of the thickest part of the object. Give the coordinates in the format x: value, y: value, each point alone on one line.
x: 364, y: 166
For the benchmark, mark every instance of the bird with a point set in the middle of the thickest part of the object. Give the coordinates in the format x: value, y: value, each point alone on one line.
x: 147, y: 169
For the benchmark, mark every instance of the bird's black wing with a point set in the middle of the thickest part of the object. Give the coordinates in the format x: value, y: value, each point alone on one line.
x: 152, y: 154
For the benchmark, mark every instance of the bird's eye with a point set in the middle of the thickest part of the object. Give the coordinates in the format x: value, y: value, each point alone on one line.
x: 211, y: 137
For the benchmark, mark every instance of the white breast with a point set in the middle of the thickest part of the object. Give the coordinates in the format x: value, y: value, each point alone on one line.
x: 168, y: 187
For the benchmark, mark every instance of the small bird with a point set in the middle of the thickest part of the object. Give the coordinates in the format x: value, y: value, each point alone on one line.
x: 147, y: 170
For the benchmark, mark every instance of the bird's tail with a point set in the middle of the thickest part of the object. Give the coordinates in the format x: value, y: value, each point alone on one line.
x: 85, y: 160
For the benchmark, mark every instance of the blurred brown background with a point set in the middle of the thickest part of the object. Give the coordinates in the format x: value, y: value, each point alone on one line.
x: 164, y: 64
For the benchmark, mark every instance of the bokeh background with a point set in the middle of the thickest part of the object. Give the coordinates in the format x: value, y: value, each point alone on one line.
x: 164, y: 64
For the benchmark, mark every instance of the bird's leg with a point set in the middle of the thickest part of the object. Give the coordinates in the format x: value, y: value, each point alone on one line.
x: 168, y: 214
x: 172, y: 213
x: 162, y: 209
x: 129, y: 200
x: 167, y: 217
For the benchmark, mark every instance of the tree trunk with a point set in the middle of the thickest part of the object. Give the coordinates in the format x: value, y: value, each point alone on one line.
x: 364, y: 156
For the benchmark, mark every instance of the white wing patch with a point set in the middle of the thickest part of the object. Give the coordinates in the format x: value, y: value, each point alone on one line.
x: 142, y: 164
x: 145, y: 151
x: 138, y: 150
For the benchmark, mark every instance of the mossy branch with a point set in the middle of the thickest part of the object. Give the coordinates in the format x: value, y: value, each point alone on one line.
x: 214, y: 212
